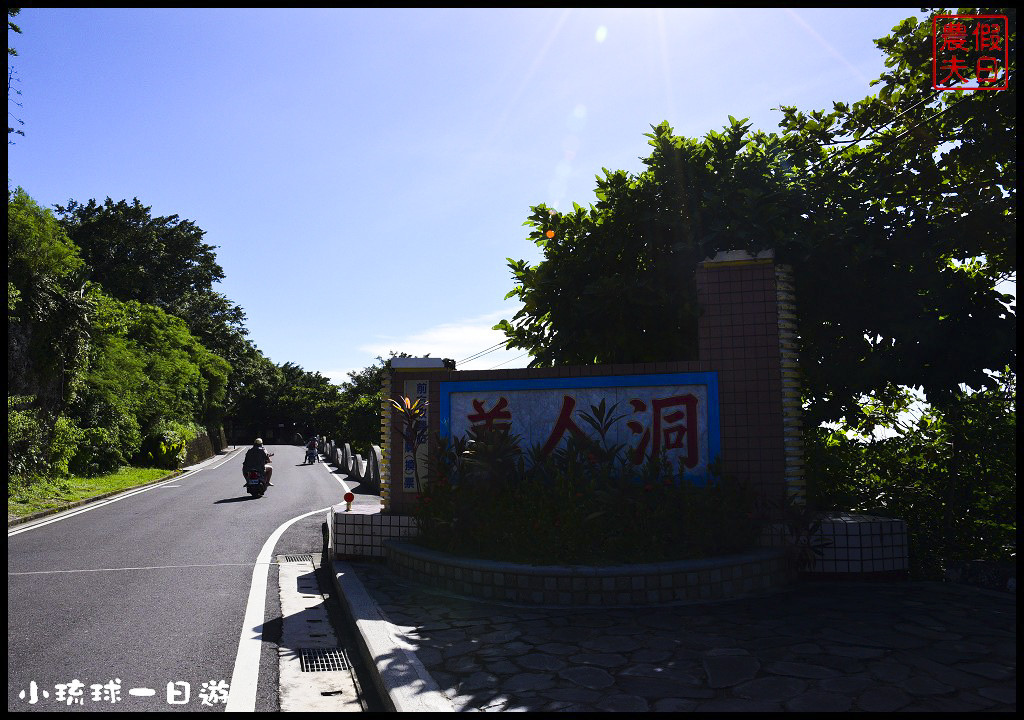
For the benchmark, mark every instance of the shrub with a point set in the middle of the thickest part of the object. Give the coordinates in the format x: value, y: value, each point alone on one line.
x: 25, y: 452
x: 485, y: 497
x: 167, y: 447
x: 64, y: 445
x: 98, y: 453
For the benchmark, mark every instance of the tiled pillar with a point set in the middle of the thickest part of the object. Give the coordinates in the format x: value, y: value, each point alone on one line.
x: 408, y: 377
x: 385, y: 442
x: 791, y: 400
x: 738, y: 336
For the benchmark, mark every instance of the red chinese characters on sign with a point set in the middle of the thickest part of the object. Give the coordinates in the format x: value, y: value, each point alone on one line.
x: 970, y: 52
x: 656, y: 425
x: 673, y: 427
x: 488, y: 418
x: 563, y: 424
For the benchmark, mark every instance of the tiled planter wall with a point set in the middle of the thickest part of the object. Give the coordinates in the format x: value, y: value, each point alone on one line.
x: 860, y: 545
x: 362, y: 535
x: 586, y: 586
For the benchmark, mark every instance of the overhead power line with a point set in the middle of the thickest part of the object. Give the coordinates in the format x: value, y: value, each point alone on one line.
x: 508, y: 361
x: 885, y: 143
x: 485, y: 351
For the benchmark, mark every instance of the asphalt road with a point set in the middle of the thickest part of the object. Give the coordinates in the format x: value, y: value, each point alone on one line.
x: 148, y: 593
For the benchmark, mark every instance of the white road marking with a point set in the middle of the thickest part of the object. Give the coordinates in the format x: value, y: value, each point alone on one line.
x: 330, y: 472
x: 87, y: 508
x: 244, y: 678
x: 145, y: 567
x: 101, y: 503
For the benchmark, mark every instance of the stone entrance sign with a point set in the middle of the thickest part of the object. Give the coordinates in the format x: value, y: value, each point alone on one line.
x: 674, y: 412
x: 741, y: 392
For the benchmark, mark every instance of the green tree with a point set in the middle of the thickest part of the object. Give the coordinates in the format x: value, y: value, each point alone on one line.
x: 94, y: 377
x: 617, y: 280
x: 911, y: 224
x: 361, y: 396
x: 929, y: 182
x: 897, y: 213
x: 47, y: 322
x: 252, y: 393
x: 215, y: 321
x: 146, y: 372
x: 163, y: 262
x: 906, y: 473
x: 160, y: 261
x: 309, y: 401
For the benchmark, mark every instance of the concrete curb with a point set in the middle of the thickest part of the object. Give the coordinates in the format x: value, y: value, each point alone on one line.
x: 79, y: 503
x: 402, y: 681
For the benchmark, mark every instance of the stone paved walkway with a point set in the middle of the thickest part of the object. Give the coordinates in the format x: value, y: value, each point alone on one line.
x: 817, y: 647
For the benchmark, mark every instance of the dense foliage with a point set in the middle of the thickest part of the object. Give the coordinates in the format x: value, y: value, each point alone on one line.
x: 155, y: 260
x: 583, y: 504
x: 47, y: 331
x: 362, y: 395
x: 915, y: 470
x: 146, y: 372
x: 120, y: 351
x: 897, y: 247
x: 898, y: 216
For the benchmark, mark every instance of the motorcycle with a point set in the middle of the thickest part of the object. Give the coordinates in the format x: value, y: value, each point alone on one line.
x: 311, y: 456
x: 255, y: 483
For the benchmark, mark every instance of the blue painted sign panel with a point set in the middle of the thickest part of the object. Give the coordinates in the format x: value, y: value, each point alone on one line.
x: 674, y: 413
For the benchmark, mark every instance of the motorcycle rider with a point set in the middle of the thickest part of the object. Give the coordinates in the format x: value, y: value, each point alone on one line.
x: 256, y: 458
x: 311, y: 448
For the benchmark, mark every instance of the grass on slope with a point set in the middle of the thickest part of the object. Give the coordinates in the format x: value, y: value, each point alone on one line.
x: 23, y: 499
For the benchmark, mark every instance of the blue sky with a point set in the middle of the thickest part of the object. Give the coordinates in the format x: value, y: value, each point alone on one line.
x: 364, y: 174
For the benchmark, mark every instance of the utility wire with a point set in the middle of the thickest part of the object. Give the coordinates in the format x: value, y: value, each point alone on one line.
x: 508, y: 361
x: 887, y: 146
x: 485, y: 351
x: 883, y: 125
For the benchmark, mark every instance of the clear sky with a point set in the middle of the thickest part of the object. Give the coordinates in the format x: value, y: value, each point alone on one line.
x: 365, y: 173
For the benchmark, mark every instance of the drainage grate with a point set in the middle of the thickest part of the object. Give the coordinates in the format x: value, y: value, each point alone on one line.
x: 323, y: 659
x: 298, y: 558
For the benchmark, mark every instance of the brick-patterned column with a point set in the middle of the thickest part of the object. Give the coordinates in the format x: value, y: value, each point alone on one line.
x: 385, y: 442
x: 396, y: 495
x: 403, y: 371
x: 738, y: 335
x: 791, y: 399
